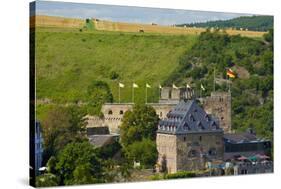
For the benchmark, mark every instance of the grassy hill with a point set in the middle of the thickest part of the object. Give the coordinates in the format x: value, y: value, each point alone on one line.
x: 254, y: 23
x: 67, y: 61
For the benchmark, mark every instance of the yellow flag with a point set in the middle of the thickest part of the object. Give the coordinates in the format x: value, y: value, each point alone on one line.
x: 174, y: 86
x: 202, y: 87
x: 121, y: 85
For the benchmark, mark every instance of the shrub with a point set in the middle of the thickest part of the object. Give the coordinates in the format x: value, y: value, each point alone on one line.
x: 180, y: 174
x: 114, y: 75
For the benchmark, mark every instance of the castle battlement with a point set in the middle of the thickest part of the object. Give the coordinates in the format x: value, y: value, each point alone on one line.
x: 218, y: 105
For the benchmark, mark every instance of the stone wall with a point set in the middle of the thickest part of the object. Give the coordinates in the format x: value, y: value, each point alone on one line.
x: 194, y: 150
x: 167, y: 147
x: 94, y: 121
x: 190, y: 151
x: 219, y: 105
x: 172, y: 95
x: 162, y: 109
x: 113, y: 114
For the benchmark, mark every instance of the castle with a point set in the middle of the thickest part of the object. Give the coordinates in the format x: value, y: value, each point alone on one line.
x: 218, y: 104
x: 193, y: 133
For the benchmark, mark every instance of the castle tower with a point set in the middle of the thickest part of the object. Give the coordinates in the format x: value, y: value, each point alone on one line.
x: 188, y: 138
x: 172, y: 95
x: 219, y: 104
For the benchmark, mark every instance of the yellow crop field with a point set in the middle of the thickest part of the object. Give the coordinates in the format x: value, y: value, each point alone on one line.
x: 153, y: 28
x: 147, y: 28
x: 103, y: 25
x: 53, y: 21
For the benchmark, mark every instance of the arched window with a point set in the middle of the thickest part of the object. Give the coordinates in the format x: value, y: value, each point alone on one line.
x: 121, y: 112
x: 110, y: 112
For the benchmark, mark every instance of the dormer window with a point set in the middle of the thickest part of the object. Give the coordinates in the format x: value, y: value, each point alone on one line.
x: 186, y: 126
x: 191, y: 117
x: 207, y: 117
x: 214, y: 125
x: 121, y: 112
x: 199, y: 124
x: 110, y: 112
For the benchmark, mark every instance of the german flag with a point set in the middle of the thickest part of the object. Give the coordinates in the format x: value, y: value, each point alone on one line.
x: 230, y: 73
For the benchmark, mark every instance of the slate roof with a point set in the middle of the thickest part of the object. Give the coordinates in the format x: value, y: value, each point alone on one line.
x: 102, y: 140
x: 235, y: 138
x: 188, y: 117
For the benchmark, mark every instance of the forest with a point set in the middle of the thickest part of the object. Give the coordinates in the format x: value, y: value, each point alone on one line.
x: 253, y: 23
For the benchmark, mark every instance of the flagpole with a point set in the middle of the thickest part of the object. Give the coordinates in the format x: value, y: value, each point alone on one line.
x: 133, y: 93
x: 159, y: 93
x: 146, y: 94
x: 119, y: 93
x: 228, y: 84
x: 214, y: 79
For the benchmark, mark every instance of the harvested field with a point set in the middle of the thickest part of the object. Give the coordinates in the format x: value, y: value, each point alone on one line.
x: 146, y: 28
x: 103, y: 25
x: 152, y: 28
x: 52, y: 21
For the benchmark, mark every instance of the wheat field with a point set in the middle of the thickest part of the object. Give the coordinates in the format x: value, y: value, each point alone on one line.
x: 103, y: 25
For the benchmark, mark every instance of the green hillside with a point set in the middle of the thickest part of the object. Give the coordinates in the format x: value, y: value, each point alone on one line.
x: 254, y: 23
x: 252, y: 89
x: 69, y: 61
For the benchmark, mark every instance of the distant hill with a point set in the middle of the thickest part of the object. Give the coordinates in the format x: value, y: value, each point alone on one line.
x: 254, y: 23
